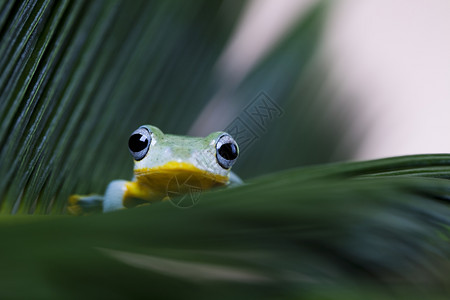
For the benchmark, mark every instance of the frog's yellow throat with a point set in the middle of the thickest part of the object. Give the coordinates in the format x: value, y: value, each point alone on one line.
x: 171, y: 175
x: 153, y: 184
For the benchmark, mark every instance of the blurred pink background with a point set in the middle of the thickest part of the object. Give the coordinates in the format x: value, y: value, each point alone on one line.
x: 391, y: 57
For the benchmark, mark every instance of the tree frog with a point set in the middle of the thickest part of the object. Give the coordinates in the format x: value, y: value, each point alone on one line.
x: 164, y: 165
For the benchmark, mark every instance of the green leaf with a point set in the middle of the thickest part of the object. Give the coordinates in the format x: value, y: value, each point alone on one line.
x: 278, y: 236
x: 78, y: 76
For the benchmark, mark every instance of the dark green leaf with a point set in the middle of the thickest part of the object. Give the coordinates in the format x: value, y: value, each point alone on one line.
x: 78, y: 77
x: 267, y: 239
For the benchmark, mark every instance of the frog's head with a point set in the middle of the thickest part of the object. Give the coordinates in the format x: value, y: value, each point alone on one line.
x: 162, y: 160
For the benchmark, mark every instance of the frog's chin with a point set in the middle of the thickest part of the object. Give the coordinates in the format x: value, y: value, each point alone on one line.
x: 172, y: 175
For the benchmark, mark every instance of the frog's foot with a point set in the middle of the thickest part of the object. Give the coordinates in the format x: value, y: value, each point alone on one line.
x: 83, y: 205
x: 126, y: 194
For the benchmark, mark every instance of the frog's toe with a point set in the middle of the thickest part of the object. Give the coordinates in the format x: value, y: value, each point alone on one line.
x: 83, y: 205
x: 73, y: 208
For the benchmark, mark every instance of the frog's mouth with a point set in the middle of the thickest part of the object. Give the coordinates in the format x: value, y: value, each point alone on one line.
x: 174, y: 176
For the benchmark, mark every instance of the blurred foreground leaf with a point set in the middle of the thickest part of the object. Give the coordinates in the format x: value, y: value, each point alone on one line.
x: 335, y: 231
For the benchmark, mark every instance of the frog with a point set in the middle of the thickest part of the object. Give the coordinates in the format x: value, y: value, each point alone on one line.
x: 165, y: 165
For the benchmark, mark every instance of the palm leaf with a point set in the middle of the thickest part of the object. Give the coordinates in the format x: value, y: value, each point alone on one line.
x: 77, y: 77
x: 278, y: 236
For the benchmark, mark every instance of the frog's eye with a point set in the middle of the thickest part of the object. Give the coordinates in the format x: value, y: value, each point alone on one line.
x: 139, y: 143
x: 226, y: 151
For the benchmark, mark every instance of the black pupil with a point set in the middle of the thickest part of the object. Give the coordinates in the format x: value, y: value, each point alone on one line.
x: 137, y: 142
x: 228, y: 151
